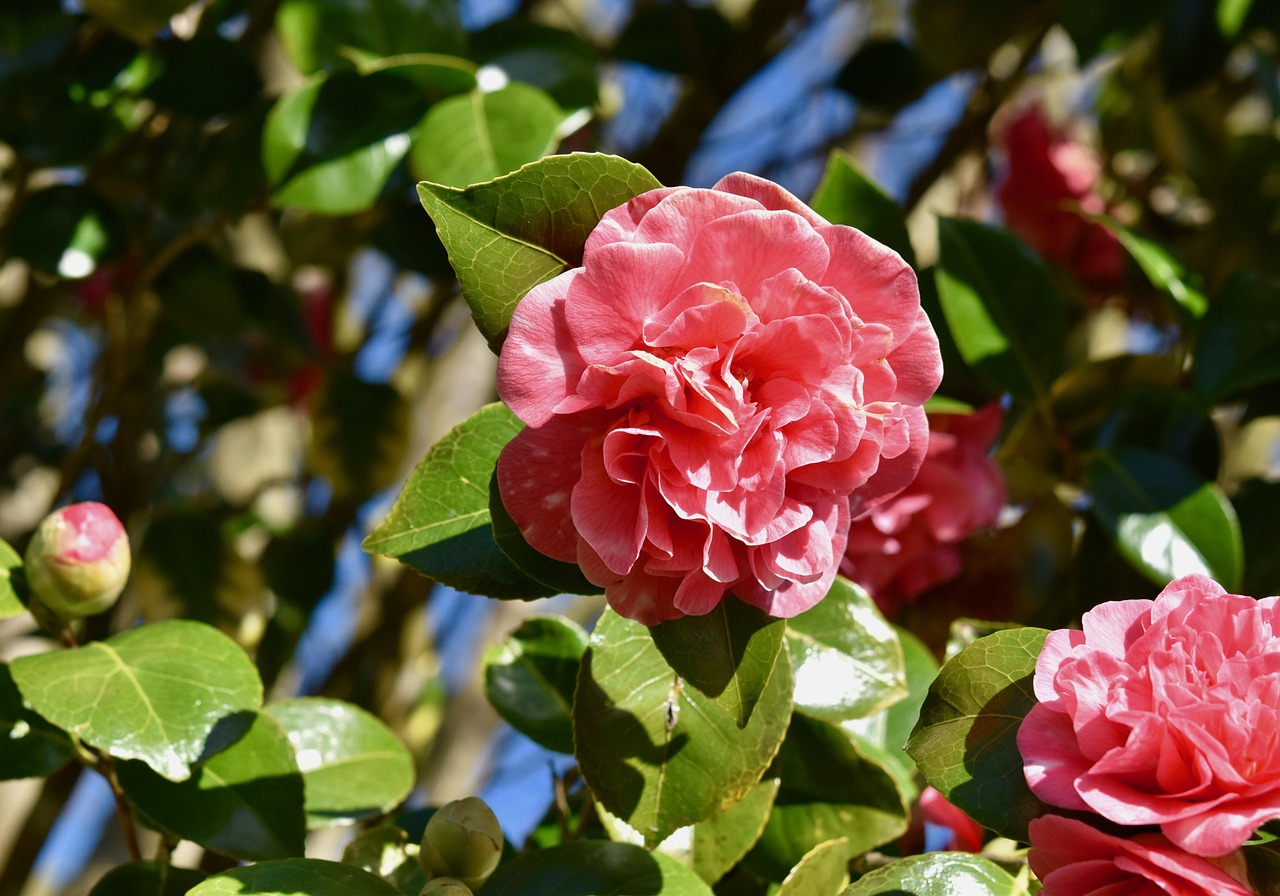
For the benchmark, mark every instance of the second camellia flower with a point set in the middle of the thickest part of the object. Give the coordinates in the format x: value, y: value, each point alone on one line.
x: 710, y: 399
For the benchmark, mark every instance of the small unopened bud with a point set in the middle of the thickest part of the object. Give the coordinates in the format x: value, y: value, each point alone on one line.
x: 77, y: 562
x: 445, y: 886
x: 463, y: 840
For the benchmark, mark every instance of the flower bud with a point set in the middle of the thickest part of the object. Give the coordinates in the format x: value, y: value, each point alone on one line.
x: 463, y: 840
x: 77, y: 562
x: 445, y: 886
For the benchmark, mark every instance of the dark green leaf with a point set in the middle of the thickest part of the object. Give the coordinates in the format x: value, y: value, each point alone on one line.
x: 147, y: 879
x: 676, y: 37
x: 1239, y: 344
x: 245, y: 802
x: 529, y: 679
x: 184, y: 86
x: 965, y: 742
x: 560, y: 62
x: 921, y: 669
x: 440, y: 524
x: 656, y: 753
x: 507, y: 236
x: 153, y: 693
x: 385, y: 851
x: 352, y: 765
x: 884, y: 73
x: 1099, y: 25
x: 729, y: 654
x: 295, y: 877
x: 137, y: 19
x: 11, y: 604
x: 1000, y: 306
x: 1166, y: 519
x: 955, y: 34
x: 66, y: 230
x: 592, y: 868
x: 327, y: 34
x: 847, y: 659
x: 822, y: 872
x: 481, y: 135
x: 847, y: 196
x: 29, y: 746
x: 1164, y: 271
x: 939, y: 874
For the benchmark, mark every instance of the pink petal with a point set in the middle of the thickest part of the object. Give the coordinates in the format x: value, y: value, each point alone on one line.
x: 1051, y: 760
x: 540, y: 363
x: 768, y: 194
x: 537, y: 471
x: 609, y: 515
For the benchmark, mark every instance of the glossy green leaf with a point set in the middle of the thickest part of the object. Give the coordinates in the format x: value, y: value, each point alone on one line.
x: 245, y: 802
x: 29, y: 746
x: 939, y: 874
x: 153, y: 693
x: 822, y: 872
x: 921, y: 669
x: 833, y: 788
x: 729, y: 654
x: 10, y: 582
x: 847, y: 196
x: 847, y: 659
x: 330, y: 145
x: 295, y: 877
x: 147, y: 879
x: 1000, y: 306
x: 721, y: 841
x: 1166, y: 519
x: 440, y: 523
x: 353, y: 766
x: 137, y: 19
x: 593, y: 868
x: 507, y: 236
x: 562, y: 63
x: 965, y: 743
x: 1239, y: 343
x: 529, y: 679
x: 1164, y: 271
x: 326, y: 34
x: 657, y: 753
x: 482, y: 135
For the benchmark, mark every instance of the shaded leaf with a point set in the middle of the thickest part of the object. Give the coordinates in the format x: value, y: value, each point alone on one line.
x: 847, y: 196
x: 728, y: 654
x: 965, y: 742
x: 529, y: 679
x: 721, y: 841
x: 66, y: 230
x: 655, y: 752
x: 822, y: 872
x: 1239, y: 341
x: 29, y: 746
x: 680, y: 38
x: 153, y: 693
x: 295, y: 877
x: 1164, y: 271
x: 137, y: 19
x: 325, y: 34
x: 385, y: 851
x: 11, y: 580
x: 147, y: 879
x: 955, y: 34
x: 245, y: 802
x: 593, y: 868
x: 507, y: 236
x: 353, y: 766
x: 1166, y: 519
x: 939, y: 874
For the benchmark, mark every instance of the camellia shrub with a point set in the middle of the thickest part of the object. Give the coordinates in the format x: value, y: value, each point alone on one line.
x: 844, y: 543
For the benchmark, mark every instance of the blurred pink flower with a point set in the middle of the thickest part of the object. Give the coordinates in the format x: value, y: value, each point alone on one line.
x: 910, y: 543
x: 721, y: 386
x: 1163, y: 712
x: 1047, y: 181
x: 1072, y: 858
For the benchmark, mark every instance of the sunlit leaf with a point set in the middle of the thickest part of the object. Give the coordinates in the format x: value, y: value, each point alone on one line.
x: 147, y: 879
x: 939, y: 874
x: 10, y: 574
x: 822, y: 872
x: 1164, y: 271
x: 324, y: 34
x: 295, y: 877
x: 1239, y: 342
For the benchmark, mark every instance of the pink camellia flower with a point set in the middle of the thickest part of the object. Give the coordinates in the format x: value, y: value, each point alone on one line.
x: 1163, y: 712
x: 1072, y: 858
x: 1047, y: 181
x: 724, y: 383
x: 911, y: 543
x: 940, y: 825
x: 77, y: 561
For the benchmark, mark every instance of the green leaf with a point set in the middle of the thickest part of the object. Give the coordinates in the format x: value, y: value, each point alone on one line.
x: 1239, y: 343
x: 1231, y: 15
x: 1164, y: 518
x: 847, y: 196
x: 147, y: 879
x: 956, y: 34
x: 29, y: 746
x: 529, y: 679
x: 939, y: 874
x: 295, y: 877
x: 10, y: 581
x: 659, y: 754
x: 721, y: 841
x: 352, y: 765
x: 1000, y: 306
x: 153, y: 693
x: 847, y: 659
x: 66, y: 230
x: 1099, y: 25
x: 822, y: 872
x: 729, y: 654
x: 137, y: 19
x: 1164, y: 271
x: 507, y: 236
x: 484, y: 134
x: 440, y: 523
x: 833, y: 787
x: 326, y: 34
x: 593, y: 868
x: 245, y: 802
x: 965, y: 743
x: 330, y: 145
x: 921, y: 669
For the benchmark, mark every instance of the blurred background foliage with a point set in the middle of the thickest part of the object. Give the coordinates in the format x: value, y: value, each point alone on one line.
x: 224, y: 313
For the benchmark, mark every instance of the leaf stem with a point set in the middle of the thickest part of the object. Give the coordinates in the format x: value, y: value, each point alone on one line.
x: 106, y: 766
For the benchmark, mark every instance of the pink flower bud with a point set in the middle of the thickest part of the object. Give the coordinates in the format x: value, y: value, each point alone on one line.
x: 77, y: 561
x: 463, y: 840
